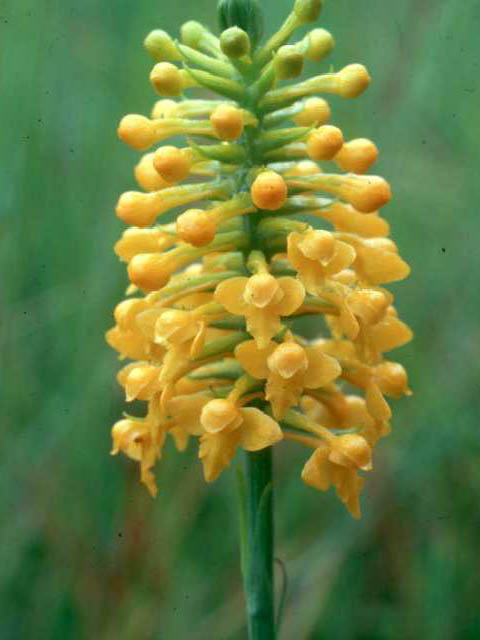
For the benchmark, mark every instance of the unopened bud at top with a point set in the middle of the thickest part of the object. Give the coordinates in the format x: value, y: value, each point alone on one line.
x: 245, y: 14
x: 352, y: 80
x: 150, y: 271
x: 288, y: 62
x: 365, y: 193
x: 146, y: 175
x: 227, y: 122
x: 315, y: 112
x: 191, y: 33
x: 235, y: 43
x: 357, y: 155
x: 320, y: 43
x: 269, y: 191
x: 324, y: 143
x: 196, y: 227
x: 172, y: 164
x: 136, y: 131
x: 307, y: 10
x: 161, y: 47
x: 166, y: 79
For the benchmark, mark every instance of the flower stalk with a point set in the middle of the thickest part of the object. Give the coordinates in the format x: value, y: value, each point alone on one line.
x: 258, y: 565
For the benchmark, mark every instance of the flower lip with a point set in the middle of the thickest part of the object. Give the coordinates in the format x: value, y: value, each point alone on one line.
x: 261, y: 290
x: 288, y: 359
x: 318, y: 245
x: 218, y: 415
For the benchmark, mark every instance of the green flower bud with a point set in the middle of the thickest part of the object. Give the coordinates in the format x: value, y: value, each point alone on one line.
x: 160, y: 46
x: 320, y: 43
x: 235, y: 43
x: 245, y: 14
x: 307, y: 10
x: 288, y: 62
x: 191, y: 33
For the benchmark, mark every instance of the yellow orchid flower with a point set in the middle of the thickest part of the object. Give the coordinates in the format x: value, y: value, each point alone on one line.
x: 263, y: 300
x: 227, y: 427
x: 289, y: 369
x: 325, y: 468
x: 316, y: 255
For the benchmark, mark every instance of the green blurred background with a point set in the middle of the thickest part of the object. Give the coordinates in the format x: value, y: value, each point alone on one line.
x: 85, y: 553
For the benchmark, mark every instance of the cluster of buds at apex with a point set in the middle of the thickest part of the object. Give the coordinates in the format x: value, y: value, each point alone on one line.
x: 210, y: 321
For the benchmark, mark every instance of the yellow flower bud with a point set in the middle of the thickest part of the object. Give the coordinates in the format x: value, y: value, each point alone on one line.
x: 166, y: 79
x: 235, y: 43
x: 307, y: 10
x: 304, y: 168
x: 136, y: 131
x: 150, y: 271
x: 315, y: 112
x: 196, y: 227
x: 165, y: 108
x: 288, y: 62
x: 320, y: 43
x: 136, y: 240
x: 161, y: 46
x: 192, y: 33
x: 352, y: 80
x: 345, y: 218
x: 288, y: 359
x: 219, y: 415
x: 357, y: 155
x: 269, y: 191
x: 351, y: 451
x: 323, y: 143
x: 172, y: 164
x: 261, y: 290
x: 227, y: 122
x: 137, y: 208
x: 365, y: 193
x: 146, y: 175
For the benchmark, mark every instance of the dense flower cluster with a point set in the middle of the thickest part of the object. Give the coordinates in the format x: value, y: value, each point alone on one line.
x: 274, y: 235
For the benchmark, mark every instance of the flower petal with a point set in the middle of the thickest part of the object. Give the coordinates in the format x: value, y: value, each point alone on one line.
x: 258, y: 430
x: 322, y: 368
x: 317, y: 471
x: 294, y: 294
x: 185, y: 411
x: 229, y: 293
x: 216, y: 452
x: 253, y: 359
x: 283, y: 394
x: 263, y: 325
x: 376, y: 404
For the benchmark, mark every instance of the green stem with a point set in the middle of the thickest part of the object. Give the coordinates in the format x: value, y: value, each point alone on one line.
x: 258, y: 568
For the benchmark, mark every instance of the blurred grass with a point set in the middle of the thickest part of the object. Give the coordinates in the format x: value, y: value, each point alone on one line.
x: 84, y: 552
